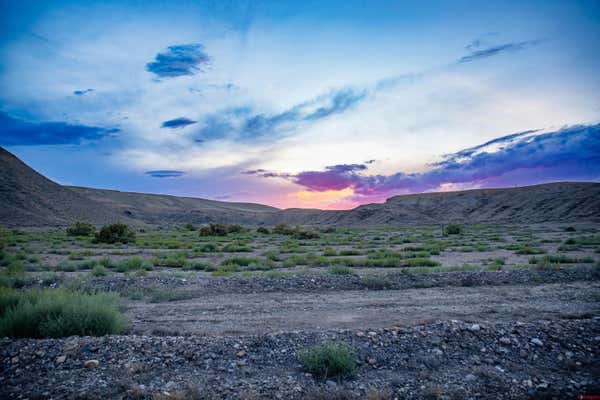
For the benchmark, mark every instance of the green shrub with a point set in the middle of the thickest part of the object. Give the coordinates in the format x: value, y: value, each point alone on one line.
x: 570, y: 229
x: 171, y: 260
x: 305, y: 235
x: 263, y: 230
x: 129, y: 264
x: 236, y: 248
x: 81, y: 229
x: 283, y: 229
x: 235, y: 228
x: 189, y: 227
x: 340, y: 270
x: 329, y: 360
x: 375, y: 282
x: 453, y: 229
x: 98, y: 271
x: 208, y: 248
x: 530, y: 250
x: 115, y: 233
x: 199, y: 266
x: 329, y: 252
x: 59, y: 313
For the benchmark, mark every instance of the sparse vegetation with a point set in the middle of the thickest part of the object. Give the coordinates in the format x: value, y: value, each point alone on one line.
x: 58, y: 313
x: 81, y: 229
x: 115, y: 233
x: 329, y: 360
x: 453, y: 229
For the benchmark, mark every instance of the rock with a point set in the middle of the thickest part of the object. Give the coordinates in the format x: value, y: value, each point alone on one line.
x: 240, y: 353
x: 537, y: 342
x: 60, y: 359
x: 371, y: 361
x: 475, y: 327
x: 437, y: 352
x: 470, y: 378
x: 504, y: 340
x: 91, y: 363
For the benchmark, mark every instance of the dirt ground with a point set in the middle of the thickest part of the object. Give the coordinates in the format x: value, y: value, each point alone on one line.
x: 272, y: 312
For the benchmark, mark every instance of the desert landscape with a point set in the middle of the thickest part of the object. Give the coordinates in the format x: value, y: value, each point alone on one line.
x: 299, y: 200
x: 216, y: 310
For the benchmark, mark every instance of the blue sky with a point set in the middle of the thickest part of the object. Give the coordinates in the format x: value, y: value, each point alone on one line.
x: 315, y: 104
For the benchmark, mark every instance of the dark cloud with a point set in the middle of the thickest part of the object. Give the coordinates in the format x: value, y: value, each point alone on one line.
x: 568, y: 154
x: 180, y: 60
x: 82, y: 92
x: 16, y: 132
x: 164, y: 173
x: 180, y: 122
x: 499, y: 49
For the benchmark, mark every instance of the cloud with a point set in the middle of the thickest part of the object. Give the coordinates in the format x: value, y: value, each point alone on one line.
x: 82, y: 92
x: 16, y: 132
x: 571, y: 153
x: 243, y: 123
x: 179, y: 60
x: 176, y: 123
x: 165, y: 173
x: 496, y: 50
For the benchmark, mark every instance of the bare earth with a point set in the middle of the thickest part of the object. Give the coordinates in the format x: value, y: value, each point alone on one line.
x: 272, y: 312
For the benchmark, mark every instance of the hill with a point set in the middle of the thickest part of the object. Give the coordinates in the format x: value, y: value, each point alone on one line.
x: 28, y: 199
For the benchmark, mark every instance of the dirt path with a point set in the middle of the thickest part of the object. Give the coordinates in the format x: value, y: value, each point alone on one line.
x: 273, y: 312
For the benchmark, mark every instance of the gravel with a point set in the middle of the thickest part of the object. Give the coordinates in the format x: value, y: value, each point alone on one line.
x: 437, y: 360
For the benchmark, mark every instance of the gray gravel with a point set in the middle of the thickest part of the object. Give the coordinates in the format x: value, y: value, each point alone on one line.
x: 453, y: 359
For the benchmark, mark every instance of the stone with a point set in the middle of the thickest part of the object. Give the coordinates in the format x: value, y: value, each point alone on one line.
x: 537, y: 342
x: 60, y: 359
x: 475, y: 327
x: 504, y: 340
x: 470, y: 378
x: 91, y: 363
x: 240, y: 353
x: 371, y: 361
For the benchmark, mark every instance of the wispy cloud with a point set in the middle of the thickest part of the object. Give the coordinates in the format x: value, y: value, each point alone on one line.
x: 82, y: 92
x: 165, y: 173
x: 243, y: 123
x: 16, y: 132
x: 176, y: 123
x: 498, y: 49
x: 179, y: 60
x: 570, y: 153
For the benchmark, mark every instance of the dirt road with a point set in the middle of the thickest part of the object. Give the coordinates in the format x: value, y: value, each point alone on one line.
x: 272, y: 312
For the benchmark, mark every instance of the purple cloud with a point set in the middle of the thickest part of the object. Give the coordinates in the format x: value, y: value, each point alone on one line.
x: 571, y: 153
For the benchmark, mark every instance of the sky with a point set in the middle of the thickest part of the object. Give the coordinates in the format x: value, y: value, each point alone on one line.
x: 314, y: 104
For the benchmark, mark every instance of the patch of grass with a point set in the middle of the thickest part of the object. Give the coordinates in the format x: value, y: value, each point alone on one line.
x: 329, y: 252
x: 164, y: 296
x: 237, y: 248
x: 527, y: 250
x: 310, y: 259
x: 340, y: 270
x: 58, y: 313
x: 98, y: 271
x: 329, y: 360
x: 129, y: 264
x: 559, y: 259
x: 375, y: 282
x: 172, y: 260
